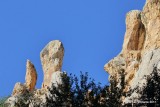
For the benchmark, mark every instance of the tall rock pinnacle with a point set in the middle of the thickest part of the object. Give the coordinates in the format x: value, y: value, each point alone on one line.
x: 30, y: 80
x: 31, y: 76
x: 51, y: 59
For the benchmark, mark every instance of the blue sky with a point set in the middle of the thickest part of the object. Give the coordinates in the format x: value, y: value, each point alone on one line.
x: 92, y: 32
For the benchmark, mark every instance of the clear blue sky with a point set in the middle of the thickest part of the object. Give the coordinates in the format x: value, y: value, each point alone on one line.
x: 92, y: 32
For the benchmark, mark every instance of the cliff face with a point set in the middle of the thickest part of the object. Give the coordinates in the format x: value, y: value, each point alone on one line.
x: 141, y: 48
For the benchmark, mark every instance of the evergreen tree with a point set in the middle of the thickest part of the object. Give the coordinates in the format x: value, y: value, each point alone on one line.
x: 115, y: 92
x: 151, y: 93
x: 74, y: 92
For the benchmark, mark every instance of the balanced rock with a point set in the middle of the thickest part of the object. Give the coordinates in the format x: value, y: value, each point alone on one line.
x: 51, y: 59
x: 31, y: 76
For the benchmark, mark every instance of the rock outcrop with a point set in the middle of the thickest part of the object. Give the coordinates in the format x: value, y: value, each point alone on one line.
x: 141, y: 48
x: 51, y: 58
x: 31, y: 76
x: 30, y: 80
x: 19, y: 88
x: 139, y: 57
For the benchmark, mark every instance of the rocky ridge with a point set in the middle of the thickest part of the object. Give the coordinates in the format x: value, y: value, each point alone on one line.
x: 141, y: 48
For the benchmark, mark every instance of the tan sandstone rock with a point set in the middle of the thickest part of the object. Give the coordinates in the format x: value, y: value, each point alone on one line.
x: 129, y: 58
x: 19, y: 88
x: 51, y: 59
x: 151, y: 19
x: 135, y: 33
x: 31, y: 76
x: 140, y: 52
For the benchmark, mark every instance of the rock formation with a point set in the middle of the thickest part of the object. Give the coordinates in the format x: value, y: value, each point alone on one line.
x: 141, y: 48
x: 129, y: 58
x: 140, y: 55
x: 30, y: 80
x: 31, y: 76
x: 51, y: 58
x: 19, y: 88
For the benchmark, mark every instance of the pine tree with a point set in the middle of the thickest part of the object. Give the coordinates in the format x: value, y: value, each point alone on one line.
x: 75, y: 92
x: 151, y: 93
x: 116, y: 93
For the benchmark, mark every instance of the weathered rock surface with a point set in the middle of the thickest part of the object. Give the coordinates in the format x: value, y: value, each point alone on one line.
x: 139, y: 56
x: 19, y: 89
x: 135, y: 33
x: 26, y: 95
x: 56, y: 78
x: 141, y: 47
x: 150, y: 60
x: 129, y: 58
x: 31, y: 76
x: 31, y: 79
x: 51, y: 58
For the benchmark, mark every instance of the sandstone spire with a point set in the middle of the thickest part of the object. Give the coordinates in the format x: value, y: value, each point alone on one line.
x: 51, y: 59
x: 31, y: 76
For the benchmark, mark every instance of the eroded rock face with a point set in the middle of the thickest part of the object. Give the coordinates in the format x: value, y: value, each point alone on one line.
x: 19, y: 88
x: 31, y: 79
x: 31, y: 76
x: 56, y: 78
x: 151, y: 19
x: 141, y: 48
x: 51, y: 58
x: 26, y: 94
x: 150, y: 61
x: 129, y: 58
x: 135, y: 33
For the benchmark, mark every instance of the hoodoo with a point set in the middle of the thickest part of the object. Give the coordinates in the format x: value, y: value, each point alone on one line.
x: 51, y: 58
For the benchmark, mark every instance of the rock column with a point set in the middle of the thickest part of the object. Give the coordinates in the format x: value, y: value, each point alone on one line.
x: 51, y: 59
